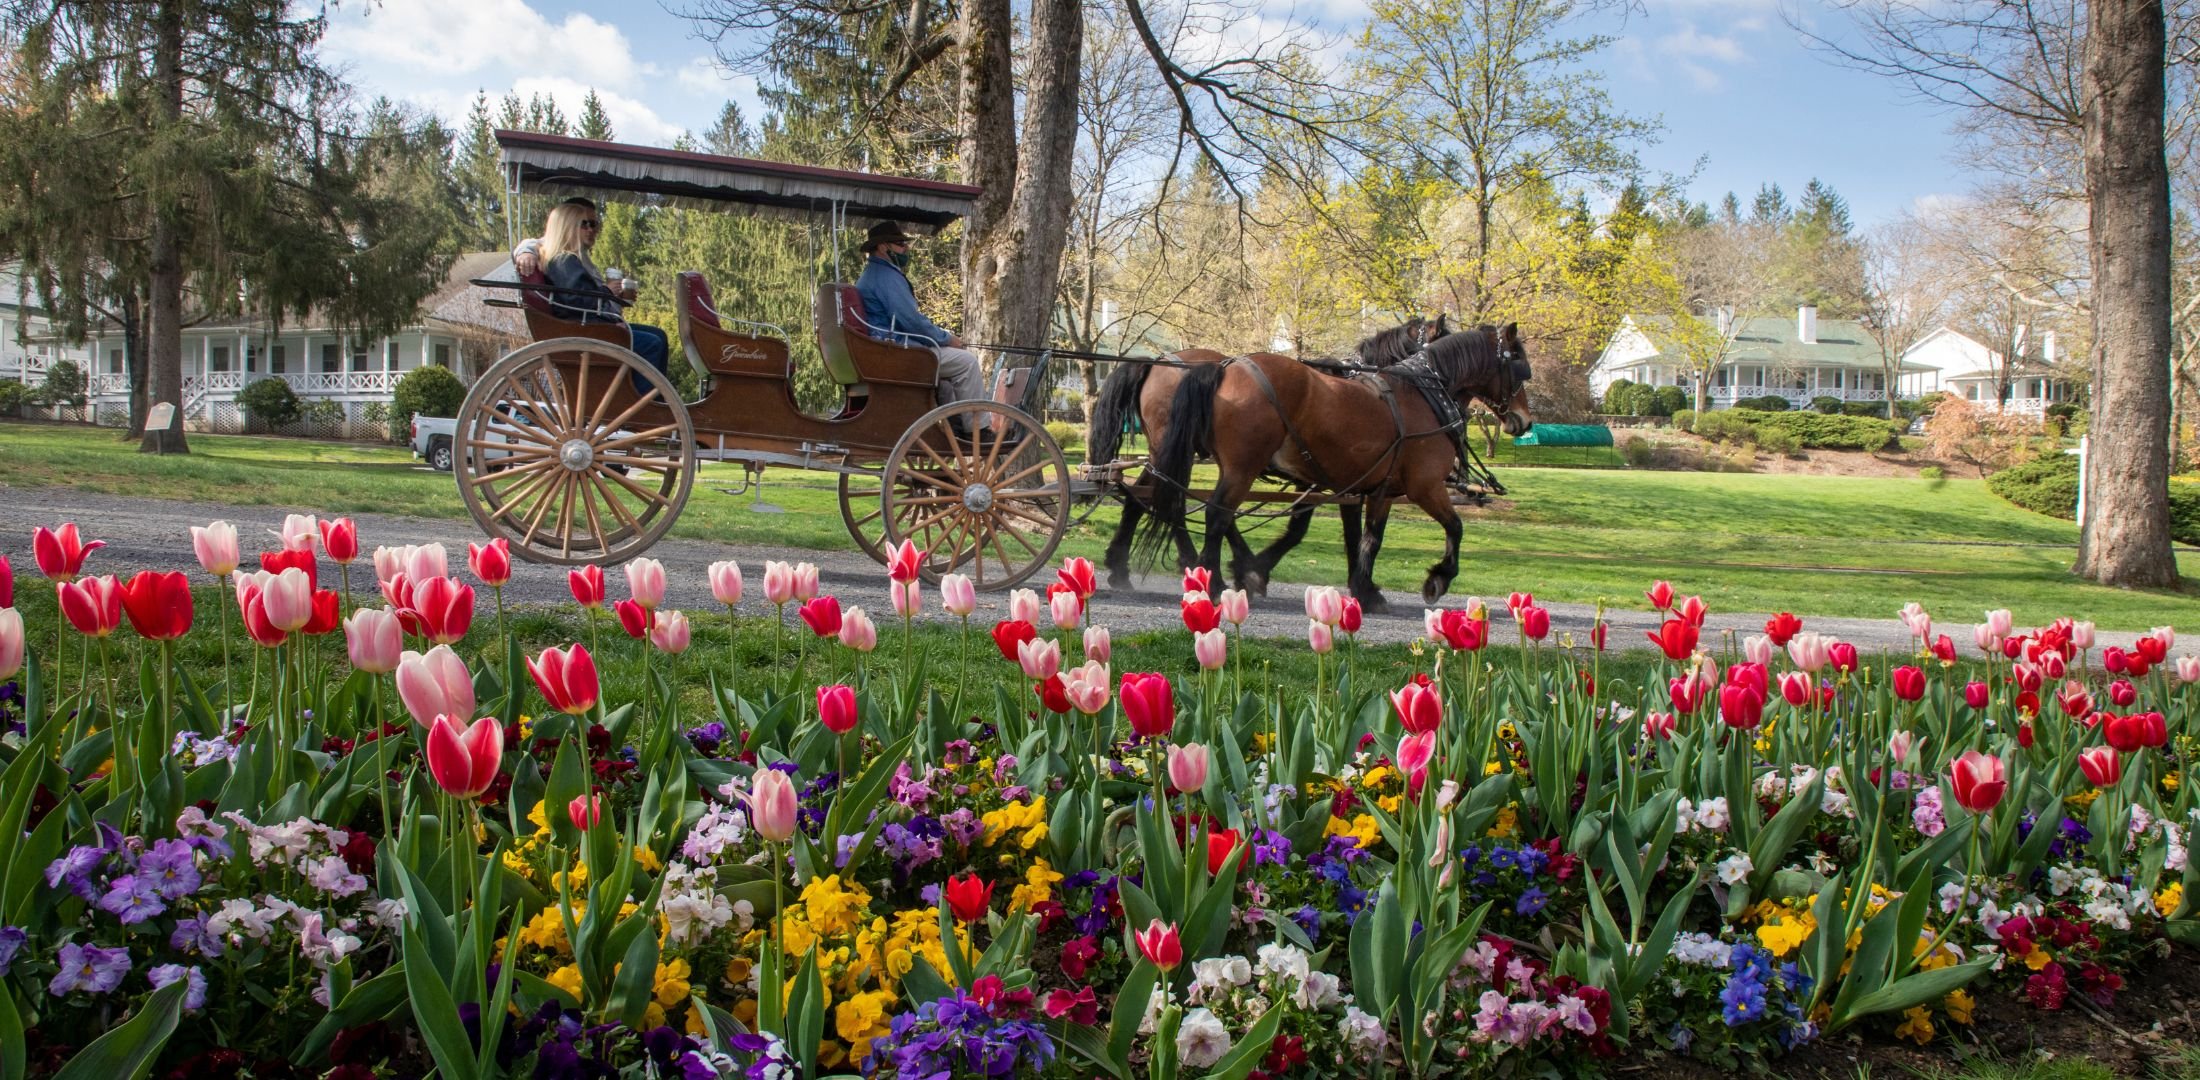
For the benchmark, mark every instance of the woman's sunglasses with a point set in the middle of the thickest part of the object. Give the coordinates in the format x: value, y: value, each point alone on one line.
x: 590, y: 224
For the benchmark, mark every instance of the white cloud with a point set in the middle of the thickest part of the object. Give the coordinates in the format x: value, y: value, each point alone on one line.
x: 1699, y: 56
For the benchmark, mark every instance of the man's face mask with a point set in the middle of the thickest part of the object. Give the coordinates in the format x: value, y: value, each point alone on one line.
x: 899, y: 258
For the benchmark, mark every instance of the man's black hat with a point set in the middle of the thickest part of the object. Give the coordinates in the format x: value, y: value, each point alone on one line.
x: 885, y: 232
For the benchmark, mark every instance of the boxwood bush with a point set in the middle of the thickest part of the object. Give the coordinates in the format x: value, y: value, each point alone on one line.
x: 1819, y: 431
x: 269, y: 402
x: 428, y: 390
x: 2049, y: 485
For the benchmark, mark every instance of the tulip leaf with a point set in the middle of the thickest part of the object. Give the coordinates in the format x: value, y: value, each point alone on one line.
x: 1087, y: 1043
x: 1129, y: 1013
x: 806, y: 1016
x: 630, y: 989
x: 1245, y: 1055
x: 1769, y: 851
x: 1915, y: 990
x: 365, y: 1003
x: 923, y: 983
x: 13, y: 1062
x: 127, y: 1051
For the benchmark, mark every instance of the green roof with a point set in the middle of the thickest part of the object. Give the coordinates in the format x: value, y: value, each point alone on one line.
x: 1771, y: 340
x: 1566, y: 435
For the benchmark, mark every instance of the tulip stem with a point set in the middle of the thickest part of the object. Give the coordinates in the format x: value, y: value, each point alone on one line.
x: 733, y: 667
x: 961, y: 669
x: 381, y: 764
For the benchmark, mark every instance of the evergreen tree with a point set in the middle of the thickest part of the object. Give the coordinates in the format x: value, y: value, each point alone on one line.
x: 543, y: 116
x: 480, y: 182
x: 594, y: 122
x: 1824, y: 211
x: 512, y: 114
x: 730, y: 135
x: 1770, y: 207
x: 1730, y: 209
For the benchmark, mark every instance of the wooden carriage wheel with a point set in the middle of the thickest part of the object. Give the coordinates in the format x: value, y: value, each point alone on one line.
x: 863, y: 513
x: 558, y: 454
x: 993, y: 508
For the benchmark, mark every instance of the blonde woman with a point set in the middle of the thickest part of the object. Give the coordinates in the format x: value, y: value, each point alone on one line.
x: 583, y: 295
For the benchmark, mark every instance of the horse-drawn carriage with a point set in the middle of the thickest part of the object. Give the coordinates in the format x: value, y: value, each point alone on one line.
x: 577, y: 450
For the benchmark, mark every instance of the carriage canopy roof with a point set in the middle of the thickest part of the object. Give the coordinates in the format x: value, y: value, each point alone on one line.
x: 560, y: 165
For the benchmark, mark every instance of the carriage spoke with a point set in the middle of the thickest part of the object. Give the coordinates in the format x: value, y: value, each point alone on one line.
x: 511, y: 473
x: 508, y: 504
x: 638, y: 438
x: 603, y: 405
x: 1017, y: 535
x: 1001, y: 549
x: 595, y: 521
x: 932, y: 479
x: 558, y: 403
x: 1026, y: 514
x: 565, y: 523
x: 618, y: 509
x: 519, y: 400
x: 647, y: 496
x: 929, y: 500
x: 927, y: 522
x: 544, y: 450
x: 639, y: 404
x: 653, y: 464
x: 1005, y: 481
x: 580, y: 388
x: 542, y: 508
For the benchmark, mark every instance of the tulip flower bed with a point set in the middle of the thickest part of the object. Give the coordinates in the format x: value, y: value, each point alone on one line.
x: 998, y: 851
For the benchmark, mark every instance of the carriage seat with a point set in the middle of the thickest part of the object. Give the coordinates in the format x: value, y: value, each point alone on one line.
x: 692, y: 293
x: 544, y: 323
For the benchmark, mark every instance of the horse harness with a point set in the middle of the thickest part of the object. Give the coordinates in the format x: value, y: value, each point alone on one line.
x: 1415, y: 371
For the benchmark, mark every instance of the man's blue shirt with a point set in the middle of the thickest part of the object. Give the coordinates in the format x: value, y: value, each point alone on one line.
x: 890, y: 306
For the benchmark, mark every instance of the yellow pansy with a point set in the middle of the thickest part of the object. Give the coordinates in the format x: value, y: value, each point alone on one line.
x: 1037, y: 888
x: 2167, y: 900
x: 1375, y: 776
x: 670, y: 986
x: 1507, y: 824
x: 1959, y: 1006
x: 648, y: 859
x: 834, y: 908
x: 568, y: 979
x: 863, y: 1018
x: 1916, y: 1025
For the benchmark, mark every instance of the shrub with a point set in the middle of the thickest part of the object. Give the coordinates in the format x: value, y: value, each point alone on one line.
x: 270, y: 402
x: 1778, y: 440
x: 1636, y: 450
x: 1725, y: 425
x: 64, y: 384
x: 2049, y: 485
x: 1827, y: 404
x: 428, y: 390
x: 1685, y: 419
x: 1868, y: 408
x: 1931, y: 472
x: 1668, y: 400
x: 12, y: 396
x: 1616, y: 397
x: 1070, y: 436
x: 322, y: 412
x: 1818, y: 431
x: 1767, y: 403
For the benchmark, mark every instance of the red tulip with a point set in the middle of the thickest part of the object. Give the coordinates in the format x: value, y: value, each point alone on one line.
x: 1842, y: 656
x: 1597, y: 634
x: 1053, y: 694
x: 1349, y: 621
x: 1909, y: 683
x: 2025, y: 737
x: 1200, y: 614
x: 2151, y: 649
x: 2101, y: 766
x: 1687, y: 692
x: 635, y: 619
x: 1008, y: 634
x: 1515, y: 601
x: 1675, y: 637
x: 446, y: 609
x: 2053, y: 665
x: 566, y: 678
x: 1660, y: 595
x: 1690, y: 611
x: 1977, y: 694
x: 584, y: 811
x: 1741, y: 705
x: 1160, y: 943
x: 340, y: 538
x: 1535, y: 622
x: 2135, y: 732
x: 252, y: 605
x: 491, y: 562
x: 1781, y: 627
x: 7, y: 583
x: 587, y: 586
x: 1415, y: 752
x: 93, y: 605
x: 2122, y: 692
x: 1420, y: 708
x: 2113, y: 659
x: 59, y: 553
x: 1944, y: 649
x: 1462, y: 632
x: 902, y: 562
x: 1076, y: 575
x: 328, y: 613
x: 2074, y: 699
x: 968, y: 897
x: 836, y: 708
x: 1198, y: 579
x: 464, y: 760
x: 1795, y: 688
x: 1660, y: 725
x: 2027, y: 676
x: 275, y: 562
x: 1220, y: 843
x: 822, y: 616
x: 159, y: 604
x: 2136, y: 666
x: 1149, y: 702
x: 1977, y: 781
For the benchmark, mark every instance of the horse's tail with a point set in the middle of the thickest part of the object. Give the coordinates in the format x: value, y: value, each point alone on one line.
x: 1191, y: 422
x: 1111, y: 414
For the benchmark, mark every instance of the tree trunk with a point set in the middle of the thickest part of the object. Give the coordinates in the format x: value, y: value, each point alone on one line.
x: 132, y: 309
x: 2126, y: 540
x: 164, y: 321
x: 1013, y: 238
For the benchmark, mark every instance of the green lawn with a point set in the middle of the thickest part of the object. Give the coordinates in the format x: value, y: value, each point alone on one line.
x: 1830, y: 546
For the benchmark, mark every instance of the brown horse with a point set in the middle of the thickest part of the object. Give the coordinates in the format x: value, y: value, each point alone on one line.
x: 1146, y: 390
x: 1373, y: 435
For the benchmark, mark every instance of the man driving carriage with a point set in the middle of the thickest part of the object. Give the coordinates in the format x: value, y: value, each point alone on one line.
x: 890, y: 309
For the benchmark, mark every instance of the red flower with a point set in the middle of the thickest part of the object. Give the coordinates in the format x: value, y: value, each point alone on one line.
x: 1688, y: 692
x: 446, y: 609
x: 2135, y: 732
x: 2151, y: 649
x: 275, y: 562
x: 566, y: 678
x: 836, y: 708
x: 1597, y: 634
x: 902, y: 562
x: 1690, y: 611
x: 635, y: 619
x: 1977, y: 694
x: 2101, y: 766
x: 1660, y: 595
x: 93, y: 605
x: 1054, y: 694
x: 2025, y: 738
x: 491, y: 562
x: 1149, y: 702
x: 1909, y: 683
x: 59, y: 553
x: 1944, y: 649
x: 328, y: 613
x: 1077, y: 954
x: 340, y: 538
x: 1076, y: 575
x: 822, y: 616
x: 1420, y: 708
x: 1200, y: 615
x: 1535, y: 622
x: 1463, y: 633
x: 2074, y: 699
x: 968, y: 897
x: 159, y: 605
x: 1842, y: 656
x: 1009, y: 633
x: 1198, y: 579
x: 587, y: 586
x: 1781, y: 627
x: 1080, y: 1007
x: 256, y: 625
x: 1741, y: 705
x: 1977, y: 781
x: 2121, y: 691
x: 1160, y: 943
x: 2113, y: 659
x: 1349, y: 622
x: 1220, y: 843
x: 464, y: 760
x: 1676, y: 637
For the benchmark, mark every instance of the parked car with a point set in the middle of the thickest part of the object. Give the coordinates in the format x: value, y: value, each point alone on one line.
x: 431, y: 440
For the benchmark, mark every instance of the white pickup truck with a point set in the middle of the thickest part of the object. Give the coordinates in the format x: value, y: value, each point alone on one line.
x: 431, y: 440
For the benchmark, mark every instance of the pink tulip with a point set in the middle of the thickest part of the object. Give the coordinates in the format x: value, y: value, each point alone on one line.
x: 1198, y: 579
x: 586, y: 584
x: 2188, y: 669
x: 299, y: 532
x: 1188, y: 767
x: 584, y: 811
x: 1149, y: 703
x: 1161, y: 944
x: 1757, y: 648
x: 288, y: 598
x: 1325, y: 605
x: 1690, y: 611
x: 1977, y: 781
x: 340, y: 540
x: 1320, y: 637
x: 435, y: 683
x: 1660, y: 725
x: 805, y: 582
x: 908, y: 598
x: 1210, y: 649
x: 1535, y: 623
x: 1414, y: 754
x: 2166, y: 636
x: 1795, y: 688
x: 1808, y: 650
x: 2081, y: 634
x: 60, y: 553
x: 1086, y: 687
x: 772, y: 805
x: 1515, y: 601
x: 11, y: 642
x: 725, y: 582
x: 1040, y: 658
x: 903, y: 563
x: 1432, y: 625
x: 216, y: 547
x: 958, y: 596
x: 1023, y: 606
x: 1687, y: 692
x: 1234, y: 606
x: 2000, y: 622
x: 2053, y: 666
x: 1419, y: 707
x: 1098, y: 644
x: 1900, y: 744
x: 464, y: 759
x: 491, y: 562
x: 670, y: 634
x: 1065, y: 608
x: 778, y: 583
x: 567, y: 679
x: 93, y: 605
x: 1913, y: 616
x: 426, y: 561
x: 445, y: 608
x: 374, y: 640
x: 2101, y: 766
x: 857, y: 631
x: 1076, y: 575
x: 645, y: 582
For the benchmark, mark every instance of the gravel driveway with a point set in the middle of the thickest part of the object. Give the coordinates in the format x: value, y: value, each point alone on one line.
x: 155, y: 534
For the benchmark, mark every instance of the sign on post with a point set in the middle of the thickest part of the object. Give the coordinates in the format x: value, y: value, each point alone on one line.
x: 160, y: 417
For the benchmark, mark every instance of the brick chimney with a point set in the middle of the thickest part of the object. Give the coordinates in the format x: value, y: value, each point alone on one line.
x: 1806, y: 324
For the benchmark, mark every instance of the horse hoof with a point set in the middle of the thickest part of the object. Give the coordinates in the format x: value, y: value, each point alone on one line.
x: 1433, y: 589
x: 1254, y: 583
x: 1120, y: 581
x: 1373, y: 603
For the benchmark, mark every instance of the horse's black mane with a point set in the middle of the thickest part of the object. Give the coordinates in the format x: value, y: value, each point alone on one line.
x: 1385, y: 347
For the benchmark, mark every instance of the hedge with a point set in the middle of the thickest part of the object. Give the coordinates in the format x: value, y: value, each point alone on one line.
x: 2049, y: 485
x: 429, y: 390
x: 1819, y: 431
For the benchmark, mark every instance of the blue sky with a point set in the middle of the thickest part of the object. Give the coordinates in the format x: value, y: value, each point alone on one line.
x: 1732, y: 81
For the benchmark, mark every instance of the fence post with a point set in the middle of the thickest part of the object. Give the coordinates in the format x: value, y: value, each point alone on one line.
x: 2084, y: 442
